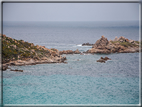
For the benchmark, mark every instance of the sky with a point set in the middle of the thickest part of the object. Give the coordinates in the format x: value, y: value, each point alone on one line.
x: 70, y: 11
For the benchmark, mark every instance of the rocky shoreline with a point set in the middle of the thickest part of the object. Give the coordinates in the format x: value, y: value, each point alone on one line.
x: 20, y: 53
x: 32, y: 62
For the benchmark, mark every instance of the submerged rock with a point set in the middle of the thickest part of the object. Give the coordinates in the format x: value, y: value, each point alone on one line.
x: 16, y: 70
x: 103, y: 60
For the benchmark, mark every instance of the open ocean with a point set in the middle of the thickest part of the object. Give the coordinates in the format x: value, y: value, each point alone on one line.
x: 82, y: 80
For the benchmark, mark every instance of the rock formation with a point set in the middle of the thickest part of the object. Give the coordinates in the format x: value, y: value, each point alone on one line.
x: 19, y: 52
x: 103, y: 60
x: 118, y: 45
x: 69, y: 52
x: 87, y: 44
x: 16, y: 70
x: 101, y: 43
x: 77, y: 52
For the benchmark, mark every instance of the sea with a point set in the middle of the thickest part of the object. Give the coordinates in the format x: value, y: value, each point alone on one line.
x: 82, y: 80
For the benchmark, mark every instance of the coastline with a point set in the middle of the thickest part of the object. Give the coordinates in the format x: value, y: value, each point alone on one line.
x: 40, y: 54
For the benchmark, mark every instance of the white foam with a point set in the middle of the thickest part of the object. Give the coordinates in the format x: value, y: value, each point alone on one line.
x: 79, y: 45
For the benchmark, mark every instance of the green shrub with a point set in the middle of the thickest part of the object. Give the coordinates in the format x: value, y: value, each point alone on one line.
x: 137, y: 42
x: 10, y: 53
x: 126, y: 44
x: 115, y: 42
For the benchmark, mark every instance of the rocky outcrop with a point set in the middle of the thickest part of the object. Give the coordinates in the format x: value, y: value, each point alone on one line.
x: 4, y: 67
x: 69, y: 52
x: 77, y: 52
x: 118, y: 45
x: 103, y: 60
x: 101, y: 43
x: 87, y: 44
x: 19, y: 52
x: 16, y: 70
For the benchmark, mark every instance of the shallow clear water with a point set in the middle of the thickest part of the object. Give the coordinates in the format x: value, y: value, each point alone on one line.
x: 82, y: 80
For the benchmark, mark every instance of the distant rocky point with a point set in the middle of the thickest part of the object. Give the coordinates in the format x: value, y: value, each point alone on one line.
x: 87, y: 44
x: 118, y: 45
x: 19, y: 52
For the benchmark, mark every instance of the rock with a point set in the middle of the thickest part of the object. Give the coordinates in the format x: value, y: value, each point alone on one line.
x: 121, y: 39
x: 77, y: 52
x: 116, y: 39
x: 13, y: 46
x: 102, y: 60
x: 109, y: 47
x: 127, y: 40
x: 30, y: 62
x: 87, y: 44
x: 130, y: 50
x: 136, y: 43
x: 63, y: 59
x: 4, y: 67
x: 54, y: 53
x: 22, y: 41
x: 101, y: 43
x: 16, y: 70
x: 106, y: 58
x: 32, y: 50
x: 55, y: 50
x: 131, y: 41
x: 101, y: 51
x: 81, y: 54
x: 119, y: 45
x: 32, y: 44
x: 44, y: 58
x: 4, y: 35
x: 69, y: 52
x: 66, y: 52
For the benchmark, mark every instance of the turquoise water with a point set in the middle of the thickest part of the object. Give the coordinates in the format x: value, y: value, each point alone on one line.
x: 82, y: 80
x: 69, y: 89
x: 78, y: 82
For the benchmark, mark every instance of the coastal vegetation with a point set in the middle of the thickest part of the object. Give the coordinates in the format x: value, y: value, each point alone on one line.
x: 126, y: 44
x: 13, y: 49
x: 19, y: 52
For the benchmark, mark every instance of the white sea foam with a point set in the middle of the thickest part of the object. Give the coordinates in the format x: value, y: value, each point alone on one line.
x: 79, y: 45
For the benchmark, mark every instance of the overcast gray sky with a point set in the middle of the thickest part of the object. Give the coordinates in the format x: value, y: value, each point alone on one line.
x: 70, y: 11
